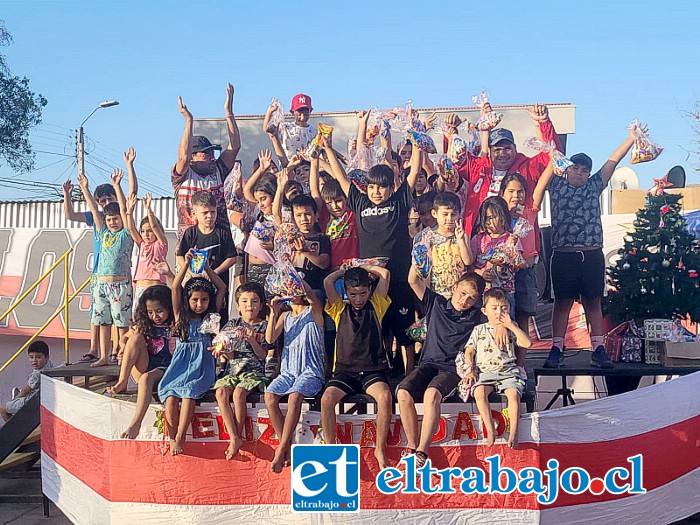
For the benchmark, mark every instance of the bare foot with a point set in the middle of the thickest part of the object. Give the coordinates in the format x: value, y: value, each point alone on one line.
x: 277, y: 463
x: 118, y: 387
x: 288, y: 457
x: 176, y: 446
x: 513, y: 440
x: 381, y: 458
x: 102, y: 361
x: 131, y: 431
x: 490, y: 436
x: 233, y: 447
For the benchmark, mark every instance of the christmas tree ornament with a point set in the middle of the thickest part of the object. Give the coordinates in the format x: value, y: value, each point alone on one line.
x: 628, y: 238
x: 626, y: 266
x: 665, y: 263
x: 662, y: 223
x: 636, y: 223
x: 643, y: 290
x: 659, y: 186
x: 692, y: 274
x: 665, y: 209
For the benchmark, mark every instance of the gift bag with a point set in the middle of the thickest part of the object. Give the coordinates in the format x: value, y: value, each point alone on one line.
x: 421, y: 140
x: 463, y: 389
x: 487, y: 121
x: 560, y: 162
x: 643, y: 149
x: 276, y: 118
x: 613, y: 341
x: 632, y: 344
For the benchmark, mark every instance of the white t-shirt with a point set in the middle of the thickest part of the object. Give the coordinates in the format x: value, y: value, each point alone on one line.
x: 295, y: 137
x: 496, y: 179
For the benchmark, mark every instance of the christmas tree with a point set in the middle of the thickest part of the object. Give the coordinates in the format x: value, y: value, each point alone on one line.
x: 656, y: 276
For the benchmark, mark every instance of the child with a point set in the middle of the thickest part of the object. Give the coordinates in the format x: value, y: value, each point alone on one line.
x: 523, y: 215
x: 297, y: 135
x: 382, y: 220
x: 245, y: 369
x: 301, y: 371
x: 421, y: 215
x: 192, y: 371
x: 112, y: 294
x: 38, y: 353
x: 497, y: 366
x: 104, y: 194
x: 360, y: 357
x: 152, y: 243
x: 497, y: 252
x: 146, y: 354
x: 450, y: 253
x: 208, y: 233
x: 578, y: 264
x: 449, y: 325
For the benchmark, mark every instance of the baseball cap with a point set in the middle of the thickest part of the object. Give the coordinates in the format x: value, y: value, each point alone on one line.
x: 499, y: 134
x: 301, y: 101
x: 582, y: 160
x: 201, y: 143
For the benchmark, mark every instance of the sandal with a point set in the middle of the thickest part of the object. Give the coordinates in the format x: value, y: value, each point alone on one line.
x: 88, y: 358
x: 113, y: 359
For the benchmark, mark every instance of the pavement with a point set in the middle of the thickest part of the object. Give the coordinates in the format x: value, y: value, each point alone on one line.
x: 30, y: 514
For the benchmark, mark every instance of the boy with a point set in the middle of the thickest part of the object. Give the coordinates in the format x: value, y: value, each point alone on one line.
x: 421, y: 215
x: 207, y: 232
x: 334, y: 217
x: 112, y: 293
x: 38, y: 353
x: 104, y: 194
x: 497, y: 365
x: 450, y: 253
x: 449, y: 325
x: 291, y: 136
x: 382, y: 220
x: 360, y: 359
x: 578, y: 264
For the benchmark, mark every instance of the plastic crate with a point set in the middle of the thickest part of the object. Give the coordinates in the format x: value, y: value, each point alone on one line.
x: 657, y: 329
x: 654, y: 351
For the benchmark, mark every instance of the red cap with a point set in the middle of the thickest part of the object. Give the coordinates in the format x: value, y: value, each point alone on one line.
x: 301, y: 101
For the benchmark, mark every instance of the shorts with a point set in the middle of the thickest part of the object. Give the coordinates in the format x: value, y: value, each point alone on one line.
x: 401, y: 313
x: 15, y: 404
x: 578, y: 274
x: 526, y: 291
x: 112, y: 303
x: 138, y: 292
x: 257, y: 273
x: 355, y: 382
x: 501, y: 381
x: 429, y: 376
x: 249, y: 381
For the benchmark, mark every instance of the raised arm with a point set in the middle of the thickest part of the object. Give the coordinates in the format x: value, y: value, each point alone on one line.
x: 316, y: 304
x: 68, y: 209
x: 265, y: 158
x: 219, y: 284
x: 185, y: 151
x: 154, y: 222
x: 384, y: 276
x: 282, y: 180
x: 337, y: 171
x: 228, y: 156
x: 275, y: 321
x: 177, y: 284
x: 90, y: 199
x: 544, y: 129
x: 416, y: 154
x: 542, y: 183
x: 465, y: 250
x: 609, y: 167
x: 417, y: 284
x: 314, y: 184
x: 329, y: 284
x: 126, y: 209
x: 129, y: 158
x: 362, y: 118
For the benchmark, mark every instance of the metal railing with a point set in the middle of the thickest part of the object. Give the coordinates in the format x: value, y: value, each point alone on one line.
x: 67, y: 299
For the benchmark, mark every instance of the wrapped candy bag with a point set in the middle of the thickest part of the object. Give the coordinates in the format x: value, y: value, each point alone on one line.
x: 463, y: 389
x: 421, y: 140
x: 231, y: 185
x: 287, y: 232
x: 420, y: 254
x: 369, y: 261
x: 643, y: 149
x: 506, y: 254
x: 447, y: 169
x: 210, y: 324
x: 229, y: 339
x: 561, y: 163
x: 359, y: 178
x: 489, y: 120
x: 284, y: 281
x: 417, y: 331
x: 316, y: 145
x: 473, y: 140
x: 263, y: 231
x: 366, y: 157
x: 276, y: 118
x: 400, y: 117
x: 521, y: 226
x: 457, y: 149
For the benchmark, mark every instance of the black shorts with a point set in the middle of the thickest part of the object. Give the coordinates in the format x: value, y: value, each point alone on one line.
x: 355, y: 382
x: 401, y: 313
x: 257, y: 273
x: 578, y: 274
x: 429, y: 376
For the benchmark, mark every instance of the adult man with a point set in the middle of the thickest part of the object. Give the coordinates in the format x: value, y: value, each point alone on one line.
x: 197, y: 169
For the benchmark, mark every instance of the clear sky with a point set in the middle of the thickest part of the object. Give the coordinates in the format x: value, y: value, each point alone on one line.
x: 615, y: 61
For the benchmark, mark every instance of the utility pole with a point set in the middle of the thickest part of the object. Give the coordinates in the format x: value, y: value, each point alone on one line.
x: 80, y: 137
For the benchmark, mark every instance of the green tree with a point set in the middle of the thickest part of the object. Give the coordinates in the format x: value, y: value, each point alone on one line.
x: 656, y: 276
x: 20, y: 110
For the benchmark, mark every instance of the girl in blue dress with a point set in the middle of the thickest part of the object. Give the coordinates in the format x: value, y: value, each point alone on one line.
x: 301, y: 371
x: 192, y: 371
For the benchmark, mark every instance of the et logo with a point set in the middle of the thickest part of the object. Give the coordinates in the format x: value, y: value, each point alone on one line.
x: 325, y: 478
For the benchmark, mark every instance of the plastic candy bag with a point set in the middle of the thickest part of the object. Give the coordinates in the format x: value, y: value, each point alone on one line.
x: 506, y: 254
x: 447, y: 169
x: 481, y: 99
x: 643, y: 149
x: 338, y: 227
x: 284, y: 281
x: 417, y: 331
x: 287, y: 232
x: 422, y: 141
x: 521, y: 226
x: 420, y: 254
x: 316, y: 145
x: 231, y: 185
x: 263, y: 231
x: 369, y: 261
x: 229, y: 339
x: 487, y: 121
x: 359, y: 178
x: 210, y: 324
x: 561, y: 163
x: 276, y: 118
x: 366, y: 157
x: 473, y: 141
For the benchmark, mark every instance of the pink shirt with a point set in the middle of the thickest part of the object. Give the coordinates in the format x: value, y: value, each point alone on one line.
x: 149, y: 254
x: 507, y: 251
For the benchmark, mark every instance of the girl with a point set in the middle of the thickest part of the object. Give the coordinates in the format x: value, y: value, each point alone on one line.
x: 497, y: 251
x: 146, y: 354
x: 245, y: 368
x: 523, y: 215
x: 301, y: 373
x: 192, y: 371
x: 153, y: 247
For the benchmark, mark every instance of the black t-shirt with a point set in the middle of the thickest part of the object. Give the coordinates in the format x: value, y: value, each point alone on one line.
x: 312, y: 274
x: 359, y: 346
x: 383, y: 229
x: 193, y: 237
x: 448, y: 330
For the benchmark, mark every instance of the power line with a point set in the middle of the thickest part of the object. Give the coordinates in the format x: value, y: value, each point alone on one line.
x: 53, y: 153
x: 51, y: 164
x: 70, y: 167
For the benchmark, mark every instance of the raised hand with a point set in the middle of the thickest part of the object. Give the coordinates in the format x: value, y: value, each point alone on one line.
x: 430, y: 121
x: 189, y: 255
x: 131, y: 201
x: 183, y: 109
x: 452, y: 120
x: 228, y: 105
x: 162, y: 268
x: 68, y: 188
x: 116, y: 177
x: 363, y: 116
x: 459, y: 229
x: 83, y: 182
x: 538, y: 112
x: 147, y: 200
x: 130, y: 156
x: 265, y: 158
x: 283, y: 178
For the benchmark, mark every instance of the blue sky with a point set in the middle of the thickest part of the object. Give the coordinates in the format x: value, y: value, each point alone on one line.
x: 615, y: 61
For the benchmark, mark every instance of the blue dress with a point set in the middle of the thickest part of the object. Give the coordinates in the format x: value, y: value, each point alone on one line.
x: 192, y: 371
x: 301, y: 370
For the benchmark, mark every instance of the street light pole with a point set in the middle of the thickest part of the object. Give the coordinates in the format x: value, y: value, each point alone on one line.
x: 80, y: 137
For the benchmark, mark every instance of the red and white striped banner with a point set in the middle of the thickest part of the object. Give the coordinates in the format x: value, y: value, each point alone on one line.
x: 97, y: 478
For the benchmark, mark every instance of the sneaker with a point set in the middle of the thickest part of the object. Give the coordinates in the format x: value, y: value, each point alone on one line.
x: 555, y: 359
x: 600, y: 359
x: 272, y: 367
x: 15, y: 392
